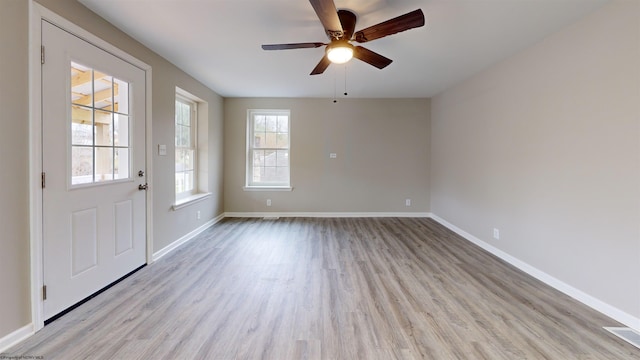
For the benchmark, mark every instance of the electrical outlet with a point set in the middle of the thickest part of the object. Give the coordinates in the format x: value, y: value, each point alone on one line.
x: 496, y: 234
x: 407, y: 202
x: 198, y: 214
x: 333, y: 155
x: 268, y: 202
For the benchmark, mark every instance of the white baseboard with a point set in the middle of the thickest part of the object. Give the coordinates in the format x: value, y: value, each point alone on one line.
x: 181, y: 241
x: 328, y: 214
x: 15, y: 337
x: 594, y: 303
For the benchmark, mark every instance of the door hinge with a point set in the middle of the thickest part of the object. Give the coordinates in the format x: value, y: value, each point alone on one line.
x: 42, y: 54
x: 44, y: 292
x: 44, y: 180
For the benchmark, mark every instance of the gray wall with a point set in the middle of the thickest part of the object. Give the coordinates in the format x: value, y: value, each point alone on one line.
x: 14, y: 139
x: 382, y: 148
x: 15, y: 311
x: 545, y: 146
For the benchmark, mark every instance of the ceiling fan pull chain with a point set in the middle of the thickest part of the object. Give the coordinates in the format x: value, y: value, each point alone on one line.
x: 345, y: 79
x: 335, y: 85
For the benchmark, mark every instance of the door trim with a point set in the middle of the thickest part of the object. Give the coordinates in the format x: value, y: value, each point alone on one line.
x: 37, y: 13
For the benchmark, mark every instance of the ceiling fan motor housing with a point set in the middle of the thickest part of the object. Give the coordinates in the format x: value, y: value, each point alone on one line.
x: 348, y: 21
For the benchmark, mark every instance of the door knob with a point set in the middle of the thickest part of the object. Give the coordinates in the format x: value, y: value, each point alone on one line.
x: 143, y: 187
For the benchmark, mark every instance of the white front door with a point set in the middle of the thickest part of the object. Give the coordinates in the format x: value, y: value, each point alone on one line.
x: 93, y: 141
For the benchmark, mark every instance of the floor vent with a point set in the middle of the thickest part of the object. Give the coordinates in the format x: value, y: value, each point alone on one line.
x: 271, y: 218
x: 627, y: 334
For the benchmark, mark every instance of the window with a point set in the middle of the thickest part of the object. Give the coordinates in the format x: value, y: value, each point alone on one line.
x: 100, y: 149
x: 268, y: 150
x: 191, y: 149
x: 186, y: 159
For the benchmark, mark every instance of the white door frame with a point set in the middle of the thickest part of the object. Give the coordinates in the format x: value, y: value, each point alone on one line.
x: 37, y: 13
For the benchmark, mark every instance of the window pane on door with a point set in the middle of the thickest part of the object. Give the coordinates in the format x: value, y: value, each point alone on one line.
x: 120, y: 130
x: 103, y: 129
x: 81, y: 85
x: 120, y: 96
x: 121, y: 163
x: 104, y: 164
x: 102, y: 91
x: 81, y: 125
x: 81, y: 165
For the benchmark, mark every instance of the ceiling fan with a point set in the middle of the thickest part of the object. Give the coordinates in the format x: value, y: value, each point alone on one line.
x: 340, y: 25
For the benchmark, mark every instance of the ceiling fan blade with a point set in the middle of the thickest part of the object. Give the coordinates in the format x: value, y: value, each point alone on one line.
x: 328, y: 15
x: 371, y: 57
x: 292, y: 46
x: 322, y: 66
x: 404, y: 22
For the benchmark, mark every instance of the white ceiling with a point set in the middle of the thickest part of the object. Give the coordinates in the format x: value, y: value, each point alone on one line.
x: 218, y: 41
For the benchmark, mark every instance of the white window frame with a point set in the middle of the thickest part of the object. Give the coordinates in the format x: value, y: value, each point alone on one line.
x: 193, y: 145
x: 250, y: 185
x: 200, y: 140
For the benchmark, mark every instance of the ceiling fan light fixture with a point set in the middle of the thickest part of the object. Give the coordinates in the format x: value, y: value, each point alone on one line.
x: 340, y: 52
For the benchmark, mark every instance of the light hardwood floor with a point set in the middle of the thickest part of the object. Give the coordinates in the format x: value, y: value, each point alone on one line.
x: 302, y: 288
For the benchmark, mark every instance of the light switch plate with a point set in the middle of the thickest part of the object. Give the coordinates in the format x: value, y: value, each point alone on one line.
x: 162, y: 150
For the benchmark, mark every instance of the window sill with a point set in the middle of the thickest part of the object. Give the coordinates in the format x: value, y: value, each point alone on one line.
x: 267, y: 188
x: 189, y: 200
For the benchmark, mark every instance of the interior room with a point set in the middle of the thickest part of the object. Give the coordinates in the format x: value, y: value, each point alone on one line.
x: 466, y: 186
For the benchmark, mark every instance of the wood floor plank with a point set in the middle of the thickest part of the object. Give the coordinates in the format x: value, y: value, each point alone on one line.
x: 312, y: 288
